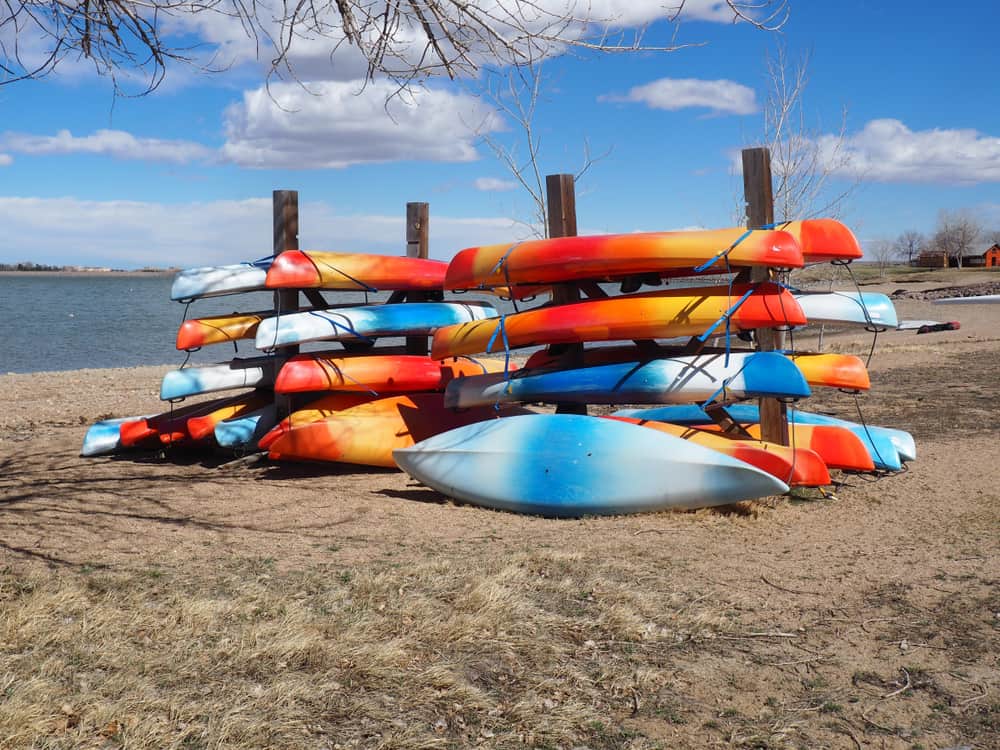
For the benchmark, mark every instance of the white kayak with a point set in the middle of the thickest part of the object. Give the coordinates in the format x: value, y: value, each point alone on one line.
x: 216, y: 281
x: 979, y: 299
x: 250, y: 372
x: 569, y: 466
x: 848, y: 308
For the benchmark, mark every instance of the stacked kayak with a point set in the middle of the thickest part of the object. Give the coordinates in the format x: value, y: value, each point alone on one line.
x: 622, y: 349
x: 401, y: 394
x: 463, y: 419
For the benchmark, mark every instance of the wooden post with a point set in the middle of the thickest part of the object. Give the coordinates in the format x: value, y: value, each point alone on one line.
x: 758, y: 191
x: 286, y: 237
x: 417, y: 246
x: 560, y: 199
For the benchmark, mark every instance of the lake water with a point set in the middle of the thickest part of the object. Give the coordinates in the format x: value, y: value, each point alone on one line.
x: 55, y: 321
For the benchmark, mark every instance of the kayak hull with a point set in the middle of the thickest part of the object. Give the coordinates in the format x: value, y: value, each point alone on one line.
x: 361, y: 323
x: 314, y: 269
x: 682, y: 379
x: 565, y: 465
x: 368, y: 433
x: 683, y: 312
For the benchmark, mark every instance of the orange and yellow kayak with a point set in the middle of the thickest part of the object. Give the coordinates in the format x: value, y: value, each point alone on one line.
x: 384, y: 374
x: 219, y: 329
x: 323, y: 407
x: 315, y: 269
x: 613, y: 256
x: 837, y: 446
x: 368, y: 433
x: 796, y: 467
x: 677, y: 312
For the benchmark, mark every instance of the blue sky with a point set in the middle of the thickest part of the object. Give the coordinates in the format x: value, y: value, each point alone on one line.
x: 184, y: 175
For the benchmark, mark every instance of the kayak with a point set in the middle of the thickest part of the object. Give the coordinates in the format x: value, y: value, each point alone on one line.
x: 848, y: 308
x: 886, y: 447
x: 567, y: 465
x: 844, y: 371
x: 681, y: 379
x: 680, y: 312
x: 797, y: 467
x: 401, y: 373
x: 367, y: 434
x: 605, y: 257
x: 216, y: 281
x: 314, y: 269
x: 238, y: 373
x: 366, y: 322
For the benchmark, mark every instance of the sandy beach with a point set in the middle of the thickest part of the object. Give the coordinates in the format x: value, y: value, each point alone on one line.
x: 211, y: 601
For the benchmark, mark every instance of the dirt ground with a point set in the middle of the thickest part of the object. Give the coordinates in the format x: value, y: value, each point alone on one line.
x: 201, y: 601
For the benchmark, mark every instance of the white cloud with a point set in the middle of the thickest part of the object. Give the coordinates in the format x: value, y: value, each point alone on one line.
x: 886, y: 150
x: 117, y: 144
x: 720, y: 96
x: 494, y: 184
x: 334, y: 124
x: 6, y: 160
x: 135, y: 234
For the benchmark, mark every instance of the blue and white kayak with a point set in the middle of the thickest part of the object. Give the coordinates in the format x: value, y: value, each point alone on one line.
x: 567, y: 465
x: 360, y: 323
x: 216, y: 281
x: 670, y: 380
x: 247, y: 429
x: 251, y: 372
x: 848, y: 308
x: 887, y: 446
x: 104, y: 437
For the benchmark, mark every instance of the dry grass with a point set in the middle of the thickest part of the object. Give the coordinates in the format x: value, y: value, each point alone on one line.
x: 155, y: 604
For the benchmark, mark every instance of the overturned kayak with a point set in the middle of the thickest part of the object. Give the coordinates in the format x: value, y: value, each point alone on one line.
x: 570, y: 466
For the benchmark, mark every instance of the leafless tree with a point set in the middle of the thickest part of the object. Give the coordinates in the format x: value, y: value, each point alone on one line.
x: 957, y: 235
x: 909, y: 245
x: 803, y: 159
x: 403, y: 40
x: 883, y: 252
x: 517, y: 93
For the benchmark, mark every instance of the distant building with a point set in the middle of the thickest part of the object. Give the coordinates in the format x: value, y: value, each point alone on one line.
x: 940, y: 259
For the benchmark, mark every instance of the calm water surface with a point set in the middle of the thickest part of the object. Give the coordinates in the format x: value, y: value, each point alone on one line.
x: 70, y: 322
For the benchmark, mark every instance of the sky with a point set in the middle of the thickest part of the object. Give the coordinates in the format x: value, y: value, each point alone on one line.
x: 183, y: 176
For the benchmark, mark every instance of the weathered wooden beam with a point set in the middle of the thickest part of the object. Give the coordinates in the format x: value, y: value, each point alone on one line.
x: 417, y: 246
x: 285, y: 225
x: 560, y: 200
x: 759, y: 195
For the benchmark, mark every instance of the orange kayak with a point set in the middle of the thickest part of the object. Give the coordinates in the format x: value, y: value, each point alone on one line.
x: 323, y: 407
x: 823, y: 240
x: 173, y: 426
x: 368, y: 433
x: 400, y: 373
x: 796, y: 467
x: 837, y: 446
x: 677, y: 312
x: 219, y: 329
x: 613, y: 256
x: 315, y: 269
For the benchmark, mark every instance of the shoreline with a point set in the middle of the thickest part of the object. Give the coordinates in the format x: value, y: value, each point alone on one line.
x: 88, y: 274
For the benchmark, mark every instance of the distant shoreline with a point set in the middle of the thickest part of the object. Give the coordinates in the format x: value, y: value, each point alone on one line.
x: 117, y: 274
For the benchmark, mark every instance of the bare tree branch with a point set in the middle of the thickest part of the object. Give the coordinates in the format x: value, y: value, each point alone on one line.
x: 404, y: 40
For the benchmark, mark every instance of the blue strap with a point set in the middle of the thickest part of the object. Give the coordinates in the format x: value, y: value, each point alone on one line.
x: 502, y: 330
x: 726, y: 316
x: 723, y: 254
